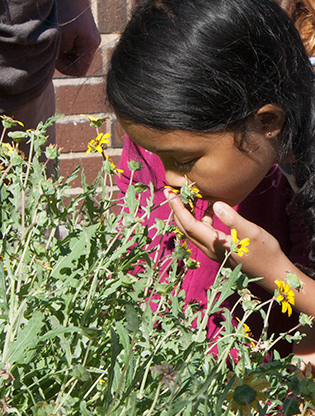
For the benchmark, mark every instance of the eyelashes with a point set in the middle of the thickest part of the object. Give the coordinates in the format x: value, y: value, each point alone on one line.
x: 184, y: 166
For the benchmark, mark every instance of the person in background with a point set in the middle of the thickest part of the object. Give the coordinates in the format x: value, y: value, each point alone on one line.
x: 35, y: 37
x: 302, y: 14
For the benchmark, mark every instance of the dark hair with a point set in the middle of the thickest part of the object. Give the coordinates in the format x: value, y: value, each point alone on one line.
x: 205, y: 65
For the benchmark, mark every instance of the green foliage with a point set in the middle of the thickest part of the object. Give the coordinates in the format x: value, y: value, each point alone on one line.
x: 77, y: 332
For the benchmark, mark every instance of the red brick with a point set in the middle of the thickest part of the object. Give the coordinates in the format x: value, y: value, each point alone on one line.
x: 80, y: 99
x: 91, y: 166
x: 112, y: 15
x: 108, y: 54
x: 75, y: 137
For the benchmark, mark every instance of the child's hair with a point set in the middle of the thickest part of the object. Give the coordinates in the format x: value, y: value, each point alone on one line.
x: 206, y: 65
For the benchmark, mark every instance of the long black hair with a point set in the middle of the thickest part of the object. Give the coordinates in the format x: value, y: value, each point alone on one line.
x: 206, y: 65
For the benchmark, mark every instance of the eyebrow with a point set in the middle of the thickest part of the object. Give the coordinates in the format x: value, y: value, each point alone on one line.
x: 178, y: 149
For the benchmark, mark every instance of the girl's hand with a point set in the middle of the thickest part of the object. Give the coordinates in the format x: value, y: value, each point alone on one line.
x: 265, y: 257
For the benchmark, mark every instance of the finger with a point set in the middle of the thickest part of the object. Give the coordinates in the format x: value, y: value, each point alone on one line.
x: 259, y: 238
x: 231, y: 218
x: 207, y: 217
x: 85, y: 50
x: 212, y: 242
x: 77, y: 61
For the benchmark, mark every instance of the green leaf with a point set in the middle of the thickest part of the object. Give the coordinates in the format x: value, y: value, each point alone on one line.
x: 59, y: 330
x: 132, y: 318
x: 27, y: 338
x: 291, y: 407
x: 134, y: 165
x: 130, y: 199
x: 17, y: 136
x: 140, y: 187
x: 228, y: 287
x: 3, y: 296
x: 111, y: 372
x: 84, y: 411
x: 124, y: 338
x: 305, y: 320
x: 79, y: 247
x: 80, y: 373
x: 293, y: 281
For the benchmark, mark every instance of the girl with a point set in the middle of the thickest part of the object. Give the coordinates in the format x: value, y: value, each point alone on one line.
x: 221, y: 90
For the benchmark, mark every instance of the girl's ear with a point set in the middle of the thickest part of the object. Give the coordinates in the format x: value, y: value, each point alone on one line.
x: 268, y: 120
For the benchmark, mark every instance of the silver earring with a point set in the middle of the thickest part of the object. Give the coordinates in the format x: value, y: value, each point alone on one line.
x: 269, y: 134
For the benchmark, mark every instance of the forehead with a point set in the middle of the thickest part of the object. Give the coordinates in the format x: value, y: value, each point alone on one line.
x: 167, y: 141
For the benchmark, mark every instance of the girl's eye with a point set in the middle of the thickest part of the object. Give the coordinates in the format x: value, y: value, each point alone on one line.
x: 184, y: 166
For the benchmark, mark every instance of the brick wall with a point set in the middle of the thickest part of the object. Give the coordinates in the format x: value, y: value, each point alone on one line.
x: 75, y: 96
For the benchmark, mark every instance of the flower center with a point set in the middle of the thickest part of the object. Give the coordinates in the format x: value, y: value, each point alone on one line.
x: 244, y: 394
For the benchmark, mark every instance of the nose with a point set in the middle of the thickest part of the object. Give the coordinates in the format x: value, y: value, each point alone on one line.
x: 174, y: 178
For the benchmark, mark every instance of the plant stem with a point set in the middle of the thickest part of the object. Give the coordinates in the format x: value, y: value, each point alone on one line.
x: 4, y: 173
x: 61, y: 402
x: 26, y: 179
x: 123, y: 373
x: 206, y: 314
x: 3, y: 134
x: 266, y: 323
x: 144, y: 379
x: 92, y: 287
x: 157, y: 393
x: 248, y: 408
x: 93, y: 385
x: 305, y: 407
x: 10, y: 328
x: 281, y: 336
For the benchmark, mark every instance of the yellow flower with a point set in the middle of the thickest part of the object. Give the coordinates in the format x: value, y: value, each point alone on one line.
x: 175, y: 191
x: 195, y: 191
x: 238, y: 247
x: 95, y: 121
x: 9, y: 122
x: 188, y: 193
x: 179, y: 234
x: 96, y: 145
x: 285, y: 296
x: 119, y: 171
x: 7, y: 149
x: 45, y: 264
x: 248, y: 332
x: 184, y: 245
x: 247, y: 394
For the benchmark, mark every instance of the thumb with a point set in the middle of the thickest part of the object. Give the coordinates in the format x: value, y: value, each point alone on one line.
x: 231, y: 218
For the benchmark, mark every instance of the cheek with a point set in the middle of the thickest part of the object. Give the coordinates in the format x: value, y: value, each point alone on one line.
x: 227, y: 181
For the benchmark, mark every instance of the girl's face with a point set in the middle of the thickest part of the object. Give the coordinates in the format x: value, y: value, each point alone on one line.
x: 220, y: 170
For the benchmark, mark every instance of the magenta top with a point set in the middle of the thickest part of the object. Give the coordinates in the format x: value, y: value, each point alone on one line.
x: 269, y: 206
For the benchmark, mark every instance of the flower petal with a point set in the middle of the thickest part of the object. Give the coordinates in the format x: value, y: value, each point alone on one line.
x: 234, y: 235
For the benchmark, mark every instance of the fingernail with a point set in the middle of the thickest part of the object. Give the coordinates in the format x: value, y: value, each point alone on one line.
x: 219, y: 208
x: 167, y: 193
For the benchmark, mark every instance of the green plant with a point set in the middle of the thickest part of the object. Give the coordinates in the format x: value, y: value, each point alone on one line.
x: 77, y: 333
